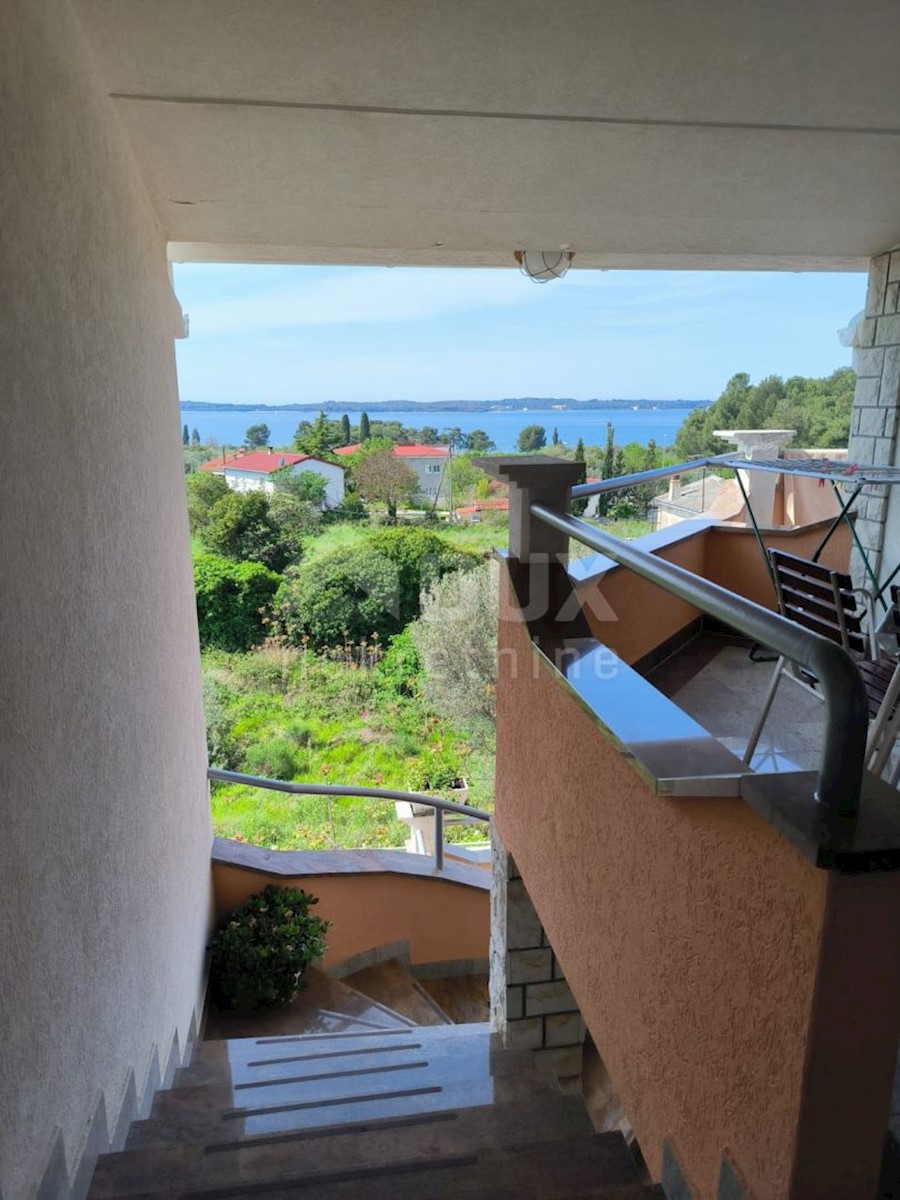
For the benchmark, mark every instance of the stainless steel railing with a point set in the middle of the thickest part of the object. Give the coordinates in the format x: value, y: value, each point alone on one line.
x: 618, y: 482
x: 439, y: 805
x: 846, y: 712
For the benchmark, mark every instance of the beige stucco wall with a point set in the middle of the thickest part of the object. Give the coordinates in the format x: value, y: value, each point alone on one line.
x: 104, y: 853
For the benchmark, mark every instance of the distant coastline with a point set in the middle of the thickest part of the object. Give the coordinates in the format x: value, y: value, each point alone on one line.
x: 522, y: 404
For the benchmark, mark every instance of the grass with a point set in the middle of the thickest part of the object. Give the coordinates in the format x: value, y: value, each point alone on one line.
x: 481, y: 538
x: 287, y: 714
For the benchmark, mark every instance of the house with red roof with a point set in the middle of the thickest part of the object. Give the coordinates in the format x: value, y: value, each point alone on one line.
x: 430, y: 464
x: 254, y: 471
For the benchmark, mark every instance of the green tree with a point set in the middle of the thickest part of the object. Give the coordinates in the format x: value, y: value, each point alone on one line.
x: 421, y: 558
x: 456, y: 637
x: 232, y: 599
x: 241, y: 527
x: 382, y: 478
x: 317, y: 437
x: 555, y: 439
x: 372, y: 588
x: 365, y: 430
x: 818, y: 409
x: 185, y: 436
x: 296, y: 518
x: 204, y: 490
x: 608, y: 470
x: 453, y: 437
x: 579, y: 506
x: 478, y: 442
x: 195, y: 437
x: 531, y: 438
x: 346, y: 435
x: 257, y: 435
x: 308, y: 486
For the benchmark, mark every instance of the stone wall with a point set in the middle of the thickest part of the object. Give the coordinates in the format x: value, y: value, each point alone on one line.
x: 531, y: 1004
x: 873, y: 430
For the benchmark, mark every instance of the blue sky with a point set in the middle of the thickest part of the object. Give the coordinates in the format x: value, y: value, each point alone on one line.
x: 279, y: 334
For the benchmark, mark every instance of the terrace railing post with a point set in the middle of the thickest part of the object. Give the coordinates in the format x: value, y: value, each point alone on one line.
x: 535, y: 479
x: 438, y: 839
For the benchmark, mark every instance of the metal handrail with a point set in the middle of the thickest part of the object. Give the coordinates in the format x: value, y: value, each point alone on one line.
x: 617, y: 482
x: 846, y: 712
x: 439, y: 805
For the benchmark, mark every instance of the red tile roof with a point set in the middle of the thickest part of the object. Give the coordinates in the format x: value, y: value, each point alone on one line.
x: 401, y: 451
x: 421, y: 451
x: 260, y: 462
x: 498, y: 505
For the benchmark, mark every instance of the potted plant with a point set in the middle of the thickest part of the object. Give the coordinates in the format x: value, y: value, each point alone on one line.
x: 260, y: 952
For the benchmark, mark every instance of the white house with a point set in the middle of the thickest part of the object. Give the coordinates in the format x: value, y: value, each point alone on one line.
x: 430, y: 464
x: 254, y: 471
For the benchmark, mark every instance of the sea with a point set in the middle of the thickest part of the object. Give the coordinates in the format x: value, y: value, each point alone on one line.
x: 228, y: 427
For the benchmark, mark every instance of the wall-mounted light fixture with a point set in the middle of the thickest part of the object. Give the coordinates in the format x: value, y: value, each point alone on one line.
x: 544, y: 265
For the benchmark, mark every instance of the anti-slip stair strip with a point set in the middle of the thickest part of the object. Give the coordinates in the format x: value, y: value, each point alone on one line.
x: 325, y: 1131
x: 244, y: 1114
x: 268, y: 1062
x: 380, y: 1070
x: 319, y: 1037
x: 337, y: 1176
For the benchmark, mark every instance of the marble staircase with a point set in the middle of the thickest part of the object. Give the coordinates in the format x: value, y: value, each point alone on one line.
x: 367, y: 1099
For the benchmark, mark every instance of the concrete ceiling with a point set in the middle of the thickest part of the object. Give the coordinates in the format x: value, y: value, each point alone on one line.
x: 649, y: 133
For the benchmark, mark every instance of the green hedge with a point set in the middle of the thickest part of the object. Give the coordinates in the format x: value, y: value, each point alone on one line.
x: 232, y: 599
x: 372, y: 588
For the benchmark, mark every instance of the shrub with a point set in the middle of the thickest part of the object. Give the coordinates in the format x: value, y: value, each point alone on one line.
x: 261, y: 951
x: 456, y: 636
x: 345, y: 595
x: 273, y: 758
x: 240, y: 526
x: 370, y: 588
x: 435, y: 773
x: 421, y: 558
x: 204, y: 490
x: 401, y: 666
x: 220, y: 744
x: 232, y: 599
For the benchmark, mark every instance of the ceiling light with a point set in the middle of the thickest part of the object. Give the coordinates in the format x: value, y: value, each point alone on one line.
x: 544, y: 265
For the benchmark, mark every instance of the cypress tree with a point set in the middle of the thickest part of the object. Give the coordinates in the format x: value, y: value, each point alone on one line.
x: 365, y: 431
x: 345, y: 430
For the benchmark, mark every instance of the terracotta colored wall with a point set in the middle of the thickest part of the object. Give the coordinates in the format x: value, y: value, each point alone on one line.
x: 690, y: 933
x: 628, y: 615
x: 733, y: 559
x: 633, y: 616
x: 444, y: 921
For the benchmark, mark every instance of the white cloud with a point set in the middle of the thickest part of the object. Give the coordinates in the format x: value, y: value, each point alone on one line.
x: 369, y: 296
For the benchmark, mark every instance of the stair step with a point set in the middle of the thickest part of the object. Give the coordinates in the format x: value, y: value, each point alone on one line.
x: 391, y: 984
x: 196, y: 1165
x: 464, y: 998
x: 326, y: 1005
x: 210, y: 1124
x: 277, y: 1080
x: 597, y: 1165
x: 235, y: 1051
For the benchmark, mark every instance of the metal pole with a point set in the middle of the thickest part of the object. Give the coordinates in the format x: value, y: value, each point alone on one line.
x: 756, y: 530
x: 438, y: 839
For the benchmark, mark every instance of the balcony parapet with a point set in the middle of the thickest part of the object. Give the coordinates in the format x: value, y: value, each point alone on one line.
x: 817, y: 814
